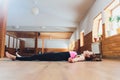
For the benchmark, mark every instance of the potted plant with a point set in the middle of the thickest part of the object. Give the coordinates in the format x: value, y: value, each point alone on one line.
x: 111, y: 29
x: 111, y: 19
x: 115, y: 19
x: 118, y: 22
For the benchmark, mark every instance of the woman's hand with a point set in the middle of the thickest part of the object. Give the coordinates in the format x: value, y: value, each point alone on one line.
x: 70, y: 60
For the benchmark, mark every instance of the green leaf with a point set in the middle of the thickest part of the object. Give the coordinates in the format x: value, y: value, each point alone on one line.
x: 111, y: 19
x: 118, y: 18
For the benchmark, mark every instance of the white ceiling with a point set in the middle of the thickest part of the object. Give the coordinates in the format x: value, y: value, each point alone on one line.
x: 53, y: 16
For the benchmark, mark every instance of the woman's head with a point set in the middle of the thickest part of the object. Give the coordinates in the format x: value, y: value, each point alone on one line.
x: 87, y: 53
x: 89, y: 56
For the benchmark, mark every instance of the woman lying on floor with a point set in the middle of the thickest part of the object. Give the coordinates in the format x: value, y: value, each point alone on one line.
x: 70, y: 56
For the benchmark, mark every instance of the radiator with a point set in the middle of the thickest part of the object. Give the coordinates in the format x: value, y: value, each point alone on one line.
x: 96, y: 47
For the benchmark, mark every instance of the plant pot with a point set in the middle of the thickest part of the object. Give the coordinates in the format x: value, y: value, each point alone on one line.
x: 118, y: 30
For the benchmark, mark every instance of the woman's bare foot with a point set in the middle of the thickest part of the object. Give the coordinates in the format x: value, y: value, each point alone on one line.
x: 10, y: 56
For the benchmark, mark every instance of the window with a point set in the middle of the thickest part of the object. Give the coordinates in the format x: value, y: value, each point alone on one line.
x: 116, y: 11
x: 6, y: 40
x: 72, y: 45
x: 81, y: 39
x: 15, y: 41
x: 100, y: 28
x: 11, y: 42
x: 18, y: 43
x: 115, y: 24
x: 97, y: 28
x: 111, y: 13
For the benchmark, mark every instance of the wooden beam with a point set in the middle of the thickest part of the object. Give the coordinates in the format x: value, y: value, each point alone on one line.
x: 3, y: 19
x: 8, y: 41
x: 42, y: 45
x: 16, y: 43
x: 22, y: 45
x: 13, y: 41
x: 36, y: 42
x: 103, y: 30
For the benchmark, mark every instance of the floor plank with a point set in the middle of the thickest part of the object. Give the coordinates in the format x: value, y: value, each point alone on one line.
x: 37, y: 70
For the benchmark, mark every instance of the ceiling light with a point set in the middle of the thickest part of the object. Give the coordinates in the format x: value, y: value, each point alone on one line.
x: 43, y: 27
x: 35, y: 10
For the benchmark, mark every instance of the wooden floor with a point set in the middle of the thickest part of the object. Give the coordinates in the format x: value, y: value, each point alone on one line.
x: 36, y: 70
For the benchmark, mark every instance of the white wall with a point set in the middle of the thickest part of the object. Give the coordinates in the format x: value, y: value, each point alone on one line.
x: 56, y: 43
x: 87, y: 23
x: 75, y: 36
x: 53, y: 43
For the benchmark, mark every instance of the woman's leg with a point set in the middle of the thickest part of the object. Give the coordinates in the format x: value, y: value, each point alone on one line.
x: 59, y: 56
x: 43, y: 57
x: 29, y: 58
x: 47, y: 57
x: 10, y: 56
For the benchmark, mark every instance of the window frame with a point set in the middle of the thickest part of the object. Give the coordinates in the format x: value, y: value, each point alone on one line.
x: 95, y: 30
x: 81, y: 38
x: 110, y: 9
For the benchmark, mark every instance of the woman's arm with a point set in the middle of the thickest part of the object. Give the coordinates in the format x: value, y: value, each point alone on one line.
x: 76, y: 59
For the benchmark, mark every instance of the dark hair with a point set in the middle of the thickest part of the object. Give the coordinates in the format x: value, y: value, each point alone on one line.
x: 91, y: 58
